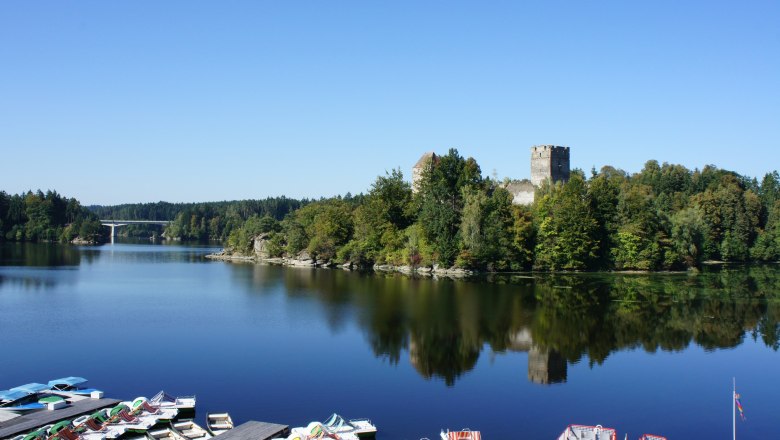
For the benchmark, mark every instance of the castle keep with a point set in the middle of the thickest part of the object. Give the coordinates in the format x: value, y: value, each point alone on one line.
x: 548, y: 163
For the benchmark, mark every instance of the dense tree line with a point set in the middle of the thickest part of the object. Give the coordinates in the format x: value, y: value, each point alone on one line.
x: 198, y: 221
x: 662, y: 218
x: 50, y: 217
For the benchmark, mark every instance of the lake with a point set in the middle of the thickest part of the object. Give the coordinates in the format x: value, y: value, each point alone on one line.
x: 515, y: 356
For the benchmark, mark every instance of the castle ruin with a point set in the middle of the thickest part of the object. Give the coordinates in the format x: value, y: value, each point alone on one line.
x: 425, y: 162
x: 549, y: 163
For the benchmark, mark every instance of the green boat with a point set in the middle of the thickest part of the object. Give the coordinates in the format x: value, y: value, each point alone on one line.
x: 59, y: 427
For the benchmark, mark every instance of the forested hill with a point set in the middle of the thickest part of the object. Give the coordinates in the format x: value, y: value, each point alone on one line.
x: 39, y: 216
x: 198, y: 221
x: 663, y: 217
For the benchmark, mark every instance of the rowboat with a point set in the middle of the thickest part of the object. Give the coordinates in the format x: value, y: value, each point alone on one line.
x: 583, y: 432
x: 191, y: 430
x: 165, y: 400
x: 165, y: 434
x: 218, y: 423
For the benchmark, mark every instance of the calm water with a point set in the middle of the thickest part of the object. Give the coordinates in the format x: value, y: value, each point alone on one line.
x: 516, y: 357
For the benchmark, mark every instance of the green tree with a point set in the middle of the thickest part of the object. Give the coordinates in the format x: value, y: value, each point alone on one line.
x: 567, y: 227
x: 441, y: 202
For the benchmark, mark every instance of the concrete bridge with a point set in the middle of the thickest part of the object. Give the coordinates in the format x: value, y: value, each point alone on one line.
x: 113, y: 224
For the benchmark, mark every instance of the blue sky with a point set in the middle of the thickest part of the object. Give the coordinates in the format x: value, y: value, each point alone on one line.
x: 140, y: 101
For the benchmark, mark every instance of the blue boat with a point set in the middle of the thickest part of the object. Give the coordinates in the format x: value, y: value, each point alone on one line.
x: 21, y: 398
x: 71, y: 384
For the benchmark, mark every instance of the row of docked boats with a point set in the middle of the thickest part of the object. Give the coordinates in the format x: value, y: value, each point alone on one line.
x: 572, y: 432
x: 131, y: 419
x: 37, y: 396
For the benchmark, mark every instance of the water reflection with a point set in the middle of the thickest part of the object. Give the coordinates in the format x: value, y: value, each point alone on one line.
x: 28, y: 266
x: 443, y: 326
x: 39, y: 255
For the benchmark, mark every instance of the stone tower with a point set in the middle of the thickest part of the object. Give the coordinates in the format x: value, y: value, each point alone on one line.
x: 549, y: 162
x: 422, y: 165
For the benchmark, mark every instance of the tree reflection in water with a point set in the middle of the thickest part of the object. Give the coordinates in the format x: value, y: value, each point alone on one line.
x: 444, y: 325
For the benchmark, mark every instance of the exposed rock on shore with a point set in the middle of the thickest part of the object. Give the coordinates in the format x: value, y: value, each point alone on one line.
x: 83, y: 242
x: 304, y: 259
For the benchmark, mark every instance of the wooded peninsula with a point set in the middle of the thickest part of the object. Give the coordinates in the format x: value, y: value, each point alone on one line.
x: 665, y: 217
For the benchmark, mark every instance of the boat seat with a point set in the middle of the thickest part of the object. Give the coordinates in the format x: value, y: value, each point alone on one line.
x: 221, y: 425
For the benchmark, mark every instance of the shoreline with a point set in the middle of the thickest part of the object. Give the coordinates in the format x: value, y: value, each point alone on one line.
x: 426, y: 271
x: 431, y: 271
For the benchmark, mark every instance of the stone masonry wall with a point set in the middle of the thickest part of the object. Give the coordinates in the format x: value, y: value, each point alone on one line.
x: 549, y: 162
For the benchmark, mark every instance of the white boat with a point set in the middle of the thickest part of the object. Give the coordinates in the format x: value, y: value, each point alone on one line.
x: 652, y: 437
x: 463, y: 434
x: 191, y: 430
x: 140, y: 407
x: 218, y: 423
x: 583, y: 432
x: 316, y: 430
x: 165, y: 434
x: 165, y: 400
x: 363, y: 428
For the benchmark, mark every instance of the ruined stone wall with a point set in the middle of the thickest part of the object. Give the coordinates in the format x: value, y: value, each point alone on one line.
x: 522, y: 191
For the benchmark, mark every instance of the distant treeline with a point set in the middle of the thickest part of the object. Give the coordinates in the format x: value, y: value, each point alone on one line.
x: 664, y: 217
x: 38, y: 216
x: 198, y: 221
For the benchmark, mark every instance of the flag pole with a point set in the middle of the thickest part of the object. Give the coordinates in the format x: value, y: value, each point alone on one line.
x: 734, y: 407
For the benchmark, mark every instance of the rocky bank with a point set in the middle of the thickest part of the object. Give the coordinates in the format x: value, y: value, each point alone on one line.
x: 304, y: 259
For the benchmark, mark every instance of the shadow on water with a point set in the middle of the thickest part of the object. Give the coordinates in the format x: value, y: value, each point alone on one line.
x: 443, y: 326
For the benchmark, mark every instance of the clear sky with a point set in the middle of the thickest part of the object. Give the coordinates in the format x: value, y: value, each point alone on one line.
x: 137, y: 101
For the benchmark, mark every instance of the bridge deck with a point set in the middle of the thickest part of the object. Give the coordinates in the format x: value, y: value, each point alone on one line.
x: 136, y: 222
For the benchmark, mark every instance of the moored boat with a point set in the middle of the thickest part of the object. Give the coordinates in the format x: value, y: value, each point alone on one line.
x: 191, y: 430
x: 218, y: 423
x: 9, y: 398
x: 36, y: 435
x: 142, y: 408
x: 165, y: 400
x: 463, y: 434
x: 316, y: 430
x: 584, y: 432
x: 23, y: 398
x: 73, y: 385
x: 362, y: 428
x: 652, y: 437
x: 59, y: 426
x: 165, y: 434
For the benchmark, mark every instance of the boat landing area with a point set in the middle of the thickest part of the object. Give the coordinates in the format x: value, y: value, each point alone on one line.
x: 255, y: 431
x: 27, y: 422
